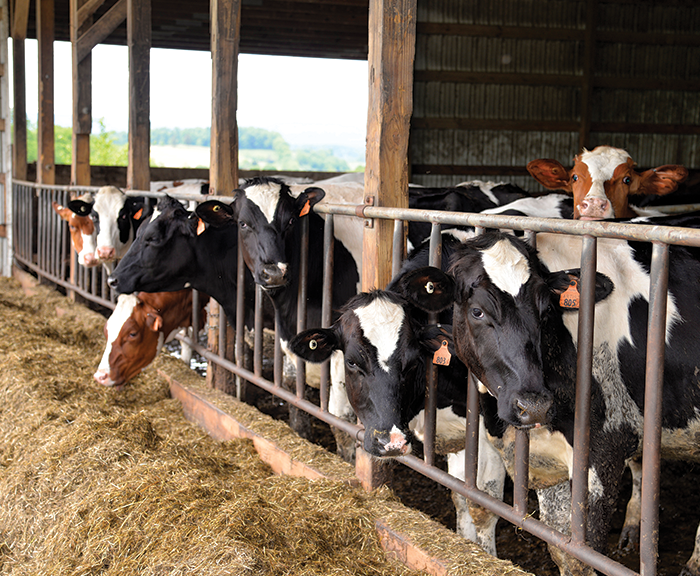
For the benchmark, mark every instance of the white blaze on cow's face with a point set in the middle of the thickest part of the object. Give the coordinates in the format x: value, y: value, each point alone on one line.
x: 601, y: 164
x: 122, y: 312
x: 266, y: 197
x: 506, y: 266
x: 109, y: 201
x: 381, y: 323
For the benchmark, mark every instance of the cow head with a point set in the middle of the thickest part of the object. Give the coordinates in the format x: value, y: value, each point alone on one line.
x: 602, y: 179
x: 116, y: 219
x: 505, y: 303
x: 82, y: 229
x: 267, y: 216
x: 384, y: 371
x: 162, y: 255
x: 134, y: 336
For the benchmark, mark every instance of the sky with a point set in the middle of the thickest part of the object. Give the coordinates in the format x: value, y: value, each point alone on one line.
x: 308, y: 100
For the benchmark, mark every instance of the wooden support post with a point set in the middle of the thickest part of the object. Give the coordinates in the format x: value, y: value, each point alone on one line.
x: 223, y: 171
x: 225, y: 27
x: 392, y: 43
x: 19, y: 149
x: 138, y: 32
x: 19, y: 84
x: 45, y: 166
x: 82, y: 99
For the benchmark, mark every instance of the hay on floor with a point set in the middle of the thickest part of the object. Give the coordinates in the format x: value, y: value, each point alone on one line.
x: 95, y: 481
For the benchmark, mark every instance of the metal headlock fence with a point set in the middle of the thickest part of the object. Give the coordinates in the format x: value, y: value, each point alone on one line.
x: 42, y: 245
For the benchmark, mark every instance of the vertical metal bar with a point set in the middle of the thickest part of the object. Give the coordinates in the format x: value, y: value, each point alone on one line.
x: 240, y: 315
x: 259, y: 328
x: 397, y: 248
x: 277, y: 364
x: 195, y: 316
x: 301, y: 299
x: 521, y: 472
x: 435, y: 259
x: 327, y: 300
x: 653, y: 396
x: 471, y: 456
x: 579, y: 485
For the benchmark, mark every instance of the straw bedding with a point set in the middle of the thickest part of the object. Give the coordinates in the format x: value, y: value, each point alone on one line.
x: 94, y: 481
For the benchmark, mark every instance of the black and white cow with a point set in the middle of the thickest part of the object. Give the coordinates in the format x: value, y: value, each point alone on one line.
x: 116, y: 219
x: 269, y: 218
x: 173, y: 250
x: 472, y: 196
x: 511, y: 329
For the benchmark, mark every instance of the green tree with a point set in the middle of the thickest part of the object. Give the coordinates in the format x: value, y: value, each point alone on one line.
x: 104, y: 151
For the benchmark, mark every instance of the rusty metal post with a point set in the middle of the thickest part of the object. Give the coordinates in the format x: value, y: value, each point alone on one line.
x: 327, y: 300
x: 653, y: 396
x: 579, y: 484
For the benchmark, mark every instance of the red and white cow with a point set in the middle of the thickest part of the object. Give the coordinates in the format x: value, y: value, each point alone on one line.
x: 82, y: 229
x: 602, y: 180
x: 139, y: 327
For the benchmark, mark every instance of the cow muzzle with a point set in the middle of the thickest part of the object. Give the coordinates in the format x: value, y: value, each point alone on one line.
x: 387, y: 444
x: 595, y: 208
x: 532, y: 410
x: 273, y: 276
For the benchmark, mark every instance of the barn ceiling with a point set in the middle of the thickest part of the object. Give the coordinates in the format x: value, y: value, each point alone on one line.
x: 310, y: 28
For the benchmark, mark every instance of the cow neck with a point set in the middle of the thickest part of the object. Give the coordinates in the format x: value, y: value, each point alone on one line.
x: 215, y: 274
x: 284, y: 299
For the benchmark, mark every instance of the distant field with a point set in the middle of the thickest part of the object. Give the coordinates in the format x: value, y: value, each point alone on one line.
x: 180, y: 156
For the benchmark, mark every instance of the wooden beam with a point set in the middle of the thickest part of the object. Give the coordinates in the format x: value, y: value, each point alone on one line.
x: 139, y: 46
x: 19, y: 84
x: 21, y: 18
x: 223, y: 166
x: 225, y: 34
x: 101, y: 29
x: 392, y: 48
x: 498, y: 78
x: 82, y: 99
x: 86, y: 10
x: 45, y: 166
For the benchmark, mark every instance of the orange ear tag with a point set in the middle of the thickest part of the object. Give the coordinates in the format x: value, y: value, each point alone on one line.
x: 442, y: 355
x: 138, y: 214
x: 570, y: 297
x: 305, y: 209
x: 200, y: 227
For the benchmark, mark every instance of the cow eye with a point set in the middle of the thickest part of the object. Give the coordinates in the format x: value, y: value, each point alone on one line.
x: 574, y: 178
x: 477, y: 313
x: 627, y: 180
x: 243, y: 225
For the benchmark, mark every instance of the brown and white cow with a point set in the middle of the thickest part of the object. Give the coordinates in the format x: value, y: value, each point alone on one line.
x: 82, y: 230
x: 139, y: 327
x: 602, y: 180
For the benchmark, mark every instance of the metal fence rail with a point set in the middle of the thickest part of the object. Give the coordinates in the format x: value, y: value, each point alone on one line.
x: 42, y: 245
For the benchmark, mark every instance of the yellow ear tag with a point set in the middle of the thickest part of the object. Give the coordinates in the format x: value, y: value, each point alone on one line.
x: 442, y: 355
x: 570, y: 297
x: 138, y: 214
x: 305, y: 209
x: 200, y: 227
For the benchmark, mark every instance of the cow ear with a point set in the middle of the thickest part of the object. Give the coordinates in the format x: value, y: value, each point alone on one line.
x: 661, y: 180
x: 154, y: 321
x: 308, y: 199
x: 80, y: 207
x: 550, y: 173
x: 60, y: 210
x: 566, y: 285
x: 215, y: 213
x: 315, y: 345
x: 428, y: 288
x: 432, y: 337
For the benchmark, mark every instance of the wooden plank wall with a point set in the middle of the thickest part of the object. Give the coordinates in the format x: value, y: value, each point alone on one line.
x: 500, y: 83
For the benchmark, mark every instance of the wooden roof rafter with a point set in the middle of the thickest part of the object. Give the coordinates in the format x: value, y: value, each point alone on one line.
x: 101, y: 29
